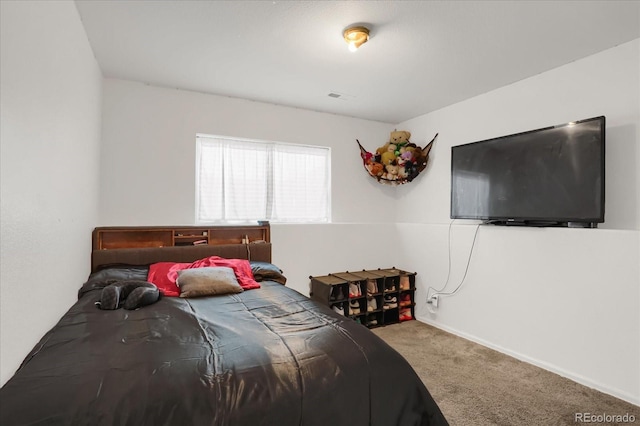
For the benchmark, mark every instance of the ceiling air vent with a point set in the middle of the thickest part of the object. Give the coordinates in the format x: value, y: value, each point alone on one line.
x: 341, y: 96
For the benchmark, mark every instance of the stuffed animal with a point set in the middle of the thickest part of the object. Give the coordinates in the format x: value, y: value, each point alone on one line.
x: 407, y: 155
x: 384, y: 148
x: 367, y: 157
x: 387, y: 157
x: 410, y: 147
x: 131, y: 294
x: 397, y: 161
x: 375, y: 169
x: 392, y: 171
x: 418, y: 156
x: 402, y: 172
x: 399, y: 136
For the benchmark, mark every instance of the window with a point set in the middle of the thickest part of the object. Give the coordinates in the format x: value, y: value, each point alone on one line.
x: 239, y: 180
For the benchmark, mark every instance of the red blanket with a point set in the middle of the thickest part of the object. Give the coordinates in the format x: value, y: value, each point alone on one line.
x: 164, y: 274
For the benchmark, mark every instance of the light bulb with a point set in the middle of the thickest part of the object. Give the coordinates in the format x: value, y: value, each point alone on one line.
x: 352, y: 46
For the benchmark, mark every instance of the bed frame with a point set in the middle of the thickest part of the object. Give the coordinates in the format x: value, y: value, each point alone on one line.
x: 143, y: 245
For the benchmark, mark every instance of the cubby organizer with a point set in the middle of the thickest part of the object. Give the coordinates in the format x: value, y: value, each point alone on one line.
x: 373, y: 298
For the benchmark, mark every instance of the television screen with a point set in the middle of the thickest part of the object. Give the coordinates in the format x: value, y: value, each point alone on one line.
x: 550, y: 176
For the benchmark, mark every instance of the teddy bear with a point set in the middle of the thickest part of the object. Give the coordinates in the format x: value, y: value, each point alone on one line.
x: 391, y: 171
x: 399, y: 137
x: 387, y: 157
x: 384, y: 148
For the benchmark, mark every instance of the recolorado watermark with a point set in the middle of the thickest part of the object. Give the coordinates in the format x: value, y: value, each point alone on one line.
x: 603, y: 418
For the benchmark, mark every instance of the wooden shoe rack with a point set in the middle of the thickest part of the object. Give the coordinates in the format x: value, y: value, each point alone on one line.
x: 394, y: 298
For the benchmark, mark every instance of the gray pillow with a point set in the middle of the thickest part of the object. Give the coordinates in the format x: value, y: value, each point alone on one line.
x: 208, y: 281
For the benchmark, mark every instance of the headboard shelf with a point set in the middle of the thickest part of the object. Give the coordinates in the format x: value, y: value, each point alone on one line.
x: 114, y: 237
x: 146, y: 244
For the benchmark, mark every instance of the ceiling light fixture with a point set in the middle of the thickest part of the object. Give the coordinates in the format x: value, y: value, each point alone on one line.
x: 356, y: 37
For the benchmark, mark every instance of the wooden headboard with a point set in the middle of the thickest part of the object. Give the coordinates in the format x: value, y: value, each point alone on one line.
x: 142, y: 245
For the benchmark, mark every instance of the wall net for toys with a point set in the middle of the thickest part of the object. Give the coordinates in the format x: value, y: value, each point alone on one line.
x: 398, y: 161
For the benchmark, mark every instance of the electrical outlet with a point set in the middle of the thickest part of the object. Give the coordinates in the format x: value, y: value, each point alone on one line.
x: 435, y: 300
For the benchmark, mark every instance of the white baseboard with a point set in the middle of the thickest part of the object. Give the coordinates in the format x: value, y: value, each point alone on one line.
x: 633, y: 399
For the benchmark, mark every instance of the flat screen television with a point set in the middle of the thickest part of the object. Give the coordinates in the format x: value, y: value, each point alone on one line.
x: 552, y: 176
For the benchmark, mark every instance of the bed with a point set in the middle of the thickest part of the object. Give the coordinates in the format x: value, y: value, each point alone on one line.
x: 264, y: 356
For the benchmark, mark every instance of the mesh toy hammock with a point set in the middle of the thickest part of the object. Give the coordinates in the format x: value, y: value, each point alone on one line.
x: 405, y: 165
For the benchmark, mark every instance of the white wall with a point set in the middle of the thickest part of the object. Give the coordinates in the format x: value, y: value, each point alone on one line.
x: 148, y: 151
x: 50, y: 105
x: 302, y: 251
x: 604, y: 84
x: 148, y: 171
x: 565, y: 299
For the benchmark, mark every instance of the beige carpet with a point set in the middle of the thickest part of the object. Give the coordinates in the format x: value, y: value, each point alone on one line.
x: 475, y: 385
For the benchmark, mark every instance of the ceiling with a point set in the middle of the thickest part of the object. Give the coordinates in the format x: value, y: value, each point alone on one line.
x: 421, y: 56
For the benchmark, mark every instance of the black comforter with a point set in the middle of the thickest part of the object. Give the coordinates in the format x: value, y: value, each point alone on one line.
x: 268, y: 356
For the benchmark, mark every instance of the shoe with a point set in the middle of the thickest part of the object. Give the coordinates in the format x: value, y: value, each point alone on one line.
x: 390, y: 302
x: 354, y: 307
x: 404, y: 283
x: 336, y: 293
x: 354, y: 291
x: 372, y: 322
x: 391, y: 288
x: 405, y: 299
x: 371, y: 304
x: 405, y: 315
x: 358, y: 289
x: 338, y: 309
x: 372, y: 287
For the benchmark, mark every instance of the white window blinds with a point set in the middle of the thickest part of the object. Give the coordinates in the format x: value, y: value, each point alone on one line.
x: 242, y: 180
